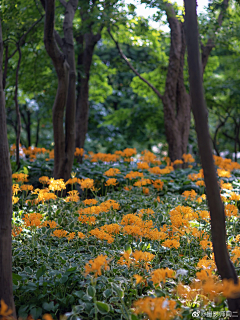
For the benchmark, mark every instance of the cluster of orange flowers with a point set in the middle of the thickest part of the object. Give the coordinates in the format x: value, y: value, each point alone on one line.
x: 137, y: 258
x: 156, y: 308
x: 97, y: 265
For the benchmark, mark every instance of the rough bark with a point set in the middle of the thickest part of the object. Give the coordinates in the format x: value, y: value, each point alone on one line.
x: 216, y: 207
x: 87, y: 44
x: 64, y: 63
x: 6, y: 290
x: 69, y: 52
x: 176, y: 101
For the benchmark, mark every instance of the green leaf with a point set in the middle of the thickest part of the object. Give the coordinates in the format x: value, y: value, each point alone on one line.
x: 118, y: 290
x: 41, y: 272
x: 91, y: 291
x: 48, y: 306
x: 16, y: 277
x: 71, y: 269
x: 103, y: 307
x: 63, y: 279
x: 36, y: 312
x: 44, y: 250
x: 79, y: 294
x: 107, y: 293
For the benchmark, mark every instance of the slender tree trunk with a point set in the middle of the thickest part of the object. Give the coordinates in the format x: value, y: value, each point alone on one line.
x: 29, y: 128
x: 37, y: 132
x: 87, y: 44
x: 64, y: 64
x: 6, y: 290
x: 18, y: 123
x: 216, y: 207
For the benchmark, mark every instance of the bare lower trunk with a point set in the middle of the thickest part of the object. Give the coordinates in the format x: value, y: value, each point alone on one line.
x: 58, y: 117
x: 37, y: 132
x: 82, y: 114
x: 176, y: 101
x: 6, y: 290
x: 87, y: 44
x: 64, y: 63
x: 18, y: 123
x: 216, y: 207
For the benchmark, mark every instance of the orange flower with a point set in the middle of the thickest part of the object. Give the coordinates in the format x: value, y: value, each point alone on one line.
x: 158, y: 184
x: 59, y: 233
x: 89, y: 202
x: 142, y: 165
x: 133, y: 175
x: 16, y: 231
x: 79, y: 152
x: 111, y: 182
x: 112, y: 172
x: 146, y: 190
x: 81, y: 235
x: 87, y: 183
x: 97, y: 265
x: 4, y: 311
x: 160, y: 275
x: 26, y: 187
x: 44, y: 180
x: 188, y: 157
x: 70, y: 236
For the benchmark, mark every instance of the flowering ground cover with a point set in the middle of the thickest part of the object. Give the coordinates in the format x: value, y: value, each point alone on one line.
x: 121, y: 239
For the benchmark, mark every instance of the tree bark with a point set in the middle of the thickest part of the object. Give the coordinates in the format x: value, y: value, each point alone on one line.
x: 69, y: 52
x: 18, y: 122
x: 6, y: 290
x: 216, y: 207
x: 37, y: 132
x: 87, y: 44
x: 176, y: 100
x: 64, y: 64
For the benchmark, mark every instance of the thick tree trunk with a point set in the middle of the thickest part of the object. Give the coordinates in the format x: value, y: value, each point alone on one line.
x: 6, y: 290
x: 176, y: 101
x: 65, y: 68
x: 69, y: 52
x: 87, y: 44
x: 216, y: 207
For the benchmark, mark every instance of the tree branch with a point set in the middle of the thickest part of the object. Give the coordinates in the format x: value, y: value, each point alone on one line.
x: 64, y: 3
x: 133, y: 69
x: 20, y: 41
x: 206, y: 50
x: 58, y: 39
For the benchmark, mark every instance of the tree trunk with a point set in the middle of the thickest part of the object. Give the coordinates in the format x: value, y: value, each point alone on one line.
x: 218, y: 228
x: 37, y: 132
x: 6, y: 290
x: 176, y: 100
x: 18, y: 122
x: 64, y: 64
x: 87, y: 44
x: 69, y: 52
